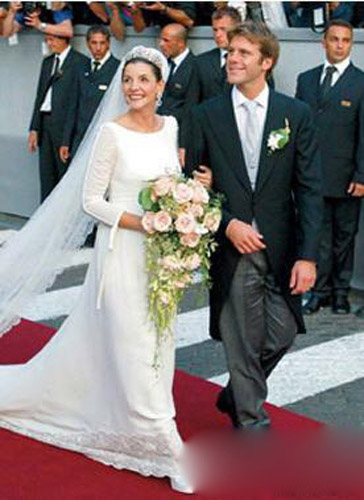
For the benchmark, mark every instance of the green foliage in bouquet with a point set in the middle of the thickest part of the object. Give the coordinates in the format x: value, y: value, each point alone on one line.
x: 180, y: 219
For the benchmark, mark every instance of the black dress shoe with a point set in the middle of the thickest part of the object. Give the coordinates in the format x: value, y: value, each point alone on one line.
x: 341, y: 305
x: 225, y: 404
x: 315, y: 303
x: 257, y: 427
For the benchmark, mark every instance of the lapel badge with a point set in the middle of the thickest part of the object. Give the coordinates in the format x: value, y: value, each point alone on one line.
x: 347, y: 104
x: 177, y: 86
x: 102, y: 87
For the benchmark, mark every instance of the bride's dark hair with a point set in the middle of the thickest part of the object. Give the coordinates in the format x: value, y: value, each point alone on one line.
x: 157, y: 72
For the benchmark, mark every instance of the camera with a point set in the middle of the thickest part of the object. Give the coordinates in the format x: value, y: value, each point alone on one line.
x: 31, y: 7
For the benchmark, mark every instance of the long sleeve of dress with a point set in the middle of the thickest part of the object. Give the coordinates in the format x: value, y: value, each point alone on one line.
x: 98, y: 179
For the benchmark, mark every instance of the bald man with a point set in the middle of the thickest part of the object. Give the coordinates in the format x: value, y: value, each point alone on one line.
x: 181, y: 91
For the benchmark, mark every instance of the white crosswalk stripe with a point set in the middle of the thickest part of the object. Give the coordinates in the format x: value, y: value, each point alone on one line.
x: 315, y: 369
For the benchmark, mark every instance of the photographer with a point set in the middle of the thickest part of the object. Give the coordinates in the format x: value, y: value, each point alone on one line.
x: 163, y: 13
x: 110, y: 13
x: 55, y: 21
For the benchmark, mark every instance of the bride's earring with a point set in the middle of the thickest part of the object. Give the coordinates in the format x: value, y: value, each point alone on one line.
x: 158, y: 101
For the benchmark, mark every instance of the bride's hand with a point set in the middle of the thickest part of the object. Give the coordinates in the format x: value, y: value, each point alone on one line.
x: 131, y: 221
x: 204, y: 175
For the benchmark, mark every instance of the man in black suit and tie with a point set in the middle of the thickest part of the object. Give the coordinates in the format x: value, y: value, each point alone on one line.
x: 261, y: 148
x: 90, y: 88
x: 335, y: 92
x: 181, y: 90
x: 54, y: 95
x: 211, y: 65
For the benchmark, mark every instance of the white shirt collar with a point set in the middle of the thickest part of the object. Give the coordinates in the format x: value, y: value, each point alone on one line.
x: 180, y: 58
x: 341, y: 66
x: 239, y: 98
x: 103, y: 60
x: 62, y: 56
x: 223, y: 54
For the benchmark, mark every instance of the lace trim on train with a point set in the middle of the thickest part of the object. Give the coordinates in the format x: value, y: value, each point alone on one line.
x: 148, y: 455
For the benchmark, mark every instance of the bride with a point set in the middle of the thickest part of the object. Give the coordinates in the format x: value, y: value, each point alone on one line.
x: 93, y: 388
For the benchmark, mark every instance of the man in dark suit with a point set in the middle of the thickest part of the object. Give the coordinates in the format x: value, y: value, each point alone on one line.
x: 335, y: 92
x: 181, y: 90
x: 90, y: 88
x: 211, y: 65
x: 261, y: 148
x: 54, y: 95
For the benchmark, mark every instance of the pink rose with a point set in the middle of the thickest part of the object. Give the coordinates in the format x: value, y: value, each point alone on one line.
x: 190, y: 240
x: 180, y: 284
x: 200, y: 194
x: 148, y: 222
x: 192, y: 262
x: 164, y: 298
x: 163, y: 186
x: 196, y: 210
x: 162, y: 221
x: 212, y: 221
x: 182, y: 193
x: 171, y: 262
x: 183, y: 281
x: 185, y: 223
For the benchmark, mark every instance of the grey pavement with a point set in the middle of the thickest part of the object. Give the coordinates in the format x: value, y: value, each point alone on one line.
x: 342, y: 405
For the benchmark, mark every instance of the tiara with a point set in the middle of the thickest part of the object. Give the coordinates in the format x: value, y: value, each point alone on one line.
x: 152, y: 55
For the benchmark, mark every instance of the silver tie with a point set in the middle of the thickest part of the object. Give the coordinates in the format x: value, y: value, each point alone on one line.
x: 251, y: 140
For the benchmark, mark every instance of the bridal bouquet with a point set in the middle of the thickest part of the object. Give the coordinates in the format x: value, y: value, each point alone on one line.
x: 180, y: 219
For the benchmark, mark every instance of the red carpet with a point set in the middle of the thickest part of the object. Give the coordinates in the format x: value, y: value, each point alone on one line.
x: 31, y: 470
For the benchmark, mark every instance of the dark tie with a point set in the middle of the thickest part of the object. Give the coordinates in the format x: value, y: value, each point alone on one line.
x: 172, y: 66
x: 55, y: 65
x: 327, y: 81
x: 53, y: 74
x: 95, y: 66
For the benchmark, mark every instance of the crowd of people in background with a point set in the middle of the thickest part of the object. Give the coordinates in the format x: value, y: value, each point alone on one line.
x: 58, y: 18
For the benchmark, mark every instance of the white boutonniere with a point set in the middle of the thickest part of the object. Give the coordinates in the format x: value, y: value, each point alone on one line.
x: 279, y: 138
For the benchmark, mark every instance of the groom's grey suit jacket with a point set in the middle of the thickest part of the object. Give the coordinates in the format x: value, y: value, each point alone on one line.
x: 286, y: 203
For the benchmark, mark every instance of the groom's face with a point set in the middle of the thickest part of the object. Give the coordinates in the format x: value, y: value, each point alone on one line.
x: 245, y: 63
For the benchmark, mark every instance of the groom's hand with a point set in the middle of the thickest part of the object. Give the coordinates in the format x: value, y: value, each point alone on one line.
x: 303, y: 276
x: 204, y: 175
x: 244, y: 238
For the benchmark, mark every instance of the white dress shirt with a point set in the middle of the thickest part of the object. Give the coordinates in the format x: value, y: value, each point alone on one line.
x: 240, y: 113
x: 101, y: 61
x: 47, y: 103
x: 223, y: 57
x: 340, y: 68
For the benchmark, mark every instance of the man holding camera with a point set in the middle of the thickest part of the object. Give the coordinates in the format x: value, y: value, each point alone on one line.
x: 54, y: 21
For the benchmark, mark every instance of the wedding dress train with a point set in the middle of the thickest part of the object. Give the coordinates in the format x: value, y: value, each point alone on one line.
x: 93, y: 387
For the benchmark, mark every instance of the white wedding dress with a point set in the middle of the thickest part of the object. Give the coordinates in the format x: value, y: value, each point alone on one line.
x: 93, y: 387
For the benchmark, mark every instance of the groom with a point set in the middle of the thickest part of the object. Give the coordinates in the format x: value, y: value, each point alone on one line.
x: 271, y: 218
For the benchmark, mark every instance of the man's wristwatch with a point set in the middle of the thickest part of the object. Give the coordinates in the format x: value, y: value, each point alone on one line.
x: 43, y: 26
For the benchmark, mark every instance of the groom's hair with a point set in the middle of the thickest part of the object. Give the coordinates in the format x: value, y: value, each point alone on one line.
x: 258, y: 33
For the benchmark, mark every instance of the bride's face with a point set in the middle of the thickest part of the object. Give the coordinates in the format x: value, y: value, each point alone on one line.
x: 140, y: 86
